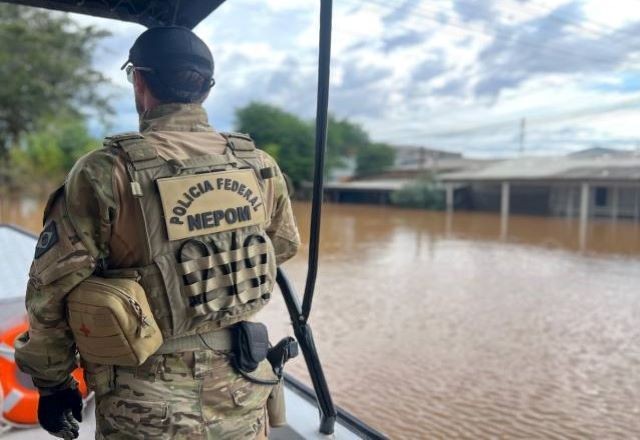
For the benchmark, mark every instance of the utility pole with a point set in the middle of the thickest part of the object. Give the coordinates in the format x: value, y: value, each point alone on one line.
x: 523, y: 127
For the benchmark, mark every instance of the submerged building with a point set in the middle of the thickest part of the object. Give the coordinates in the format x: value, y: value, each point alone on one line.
x: 411, y: 163
x: 592, y: 183
x: 596, y: 182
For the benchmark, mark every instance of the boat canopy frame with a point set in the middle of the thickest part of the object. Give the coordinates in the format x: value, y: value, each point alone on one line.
x: 189, y: 13
x: 148, y: 13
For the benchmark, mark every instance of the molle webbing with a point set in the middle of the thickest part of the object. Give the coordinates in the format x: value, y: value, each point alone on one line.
x: 241, y: 144
x: 204, y: 287
x: 229, y: 276
x: 203, y: 161
x: 216, y: 340
x: 244, y: 147
x: 221, y: 259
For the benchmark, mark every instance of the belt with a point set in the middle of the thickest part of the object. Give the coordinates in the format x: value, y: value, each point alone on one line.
x: 215, y: 340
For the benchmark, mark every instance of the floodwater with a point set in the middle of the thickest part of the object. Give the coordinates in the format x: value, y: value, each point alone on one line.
x: 436, y: 326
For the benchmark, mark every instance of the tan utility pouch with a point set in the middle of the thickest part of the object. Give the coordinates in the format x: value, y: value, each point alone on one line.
x: 111, y: 321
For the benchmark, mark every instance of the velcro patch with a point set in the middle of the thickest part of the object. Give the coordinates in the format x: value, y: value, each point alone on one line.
x: 213, y: 202
x: 48, y: 238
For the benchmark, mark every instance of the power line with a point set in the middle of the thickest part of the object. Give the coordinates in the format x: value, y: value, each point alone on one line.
x: 596, y: 28
x: 512, y: 123
x: 425, y: 14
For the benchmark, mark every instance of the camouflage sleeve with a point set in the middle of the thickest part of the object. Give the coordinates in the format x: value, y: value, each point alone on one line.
x: 282, y: 229
x: 66, y: 254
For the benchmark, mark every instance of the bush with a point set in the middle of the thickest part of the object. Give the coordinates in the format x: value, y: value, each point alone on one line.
x: 422, y: 193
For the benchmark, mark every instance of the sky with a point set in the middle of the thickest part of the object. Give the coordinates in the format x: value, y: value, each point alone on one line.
x: 482, y: 77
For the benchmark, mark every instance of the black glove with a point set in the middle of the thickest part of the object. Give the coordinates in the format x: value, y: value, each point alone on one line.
x: 60, y: 412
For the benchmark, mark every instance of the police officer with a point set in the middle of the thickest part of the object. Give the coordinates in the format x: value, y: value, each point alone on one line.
x: 200, y: 219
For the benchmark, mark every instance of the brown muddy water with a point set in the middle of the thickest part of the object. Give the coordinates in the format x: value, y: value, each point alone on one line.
x: 436, y: 327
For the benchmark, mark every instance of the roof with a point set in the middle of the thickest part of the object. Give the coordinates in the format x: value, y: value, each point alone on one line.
x: 604, y: 168
x: 445, y: 165
x: 145, y: 12
x: 369, y: 185
x: 600, y: 152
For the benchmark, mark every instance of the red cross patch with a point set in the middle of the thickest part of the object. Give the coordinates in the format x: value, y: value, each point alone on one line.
x: 85, y: 330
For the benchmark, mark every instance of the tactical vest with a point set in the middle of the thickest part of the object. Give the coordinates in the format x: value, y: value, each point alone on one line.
x: 208, y: 260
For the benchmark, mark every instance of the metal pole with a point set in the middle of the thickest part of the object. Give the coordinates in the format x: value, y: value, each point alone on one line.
x: 324, y: 60
x: 449, y: 197
x: 584, y: 214
x: 302, y: 330
x: 615, y: 202
x: 504, y: 210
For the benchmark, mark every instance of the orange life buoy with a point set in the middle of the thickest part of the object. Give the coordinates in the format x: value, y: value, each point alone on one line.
x: 20, y: 396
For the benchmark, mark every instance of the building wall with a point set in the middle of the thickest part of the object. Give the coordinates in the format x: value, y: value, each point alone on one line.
x: 565, y: 201
x: 524, y: 199
x: 369, y: 197
x: 556, y: 199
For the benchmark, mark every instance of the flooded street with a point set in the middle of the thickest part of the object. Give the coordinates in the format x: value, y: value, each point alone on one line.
x: 432, y: 326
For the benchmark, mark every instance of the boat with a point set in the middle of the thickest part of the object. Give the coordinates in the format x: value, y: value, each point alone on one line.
x: 16, y: 254
x: 311, y: 413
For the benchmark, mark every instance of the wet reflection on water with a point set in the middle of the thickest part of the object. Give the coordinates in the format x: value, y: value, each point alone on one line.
x: 431, y: 326
x: 434, y: 327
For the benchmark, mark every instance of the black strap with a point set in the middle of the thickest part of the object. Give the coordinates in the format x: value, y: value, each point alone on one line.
x: 268, y: 173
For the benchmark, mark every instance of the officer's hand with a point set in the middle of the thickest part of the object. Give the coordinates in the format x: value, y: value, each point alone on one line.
x: 59, y: 413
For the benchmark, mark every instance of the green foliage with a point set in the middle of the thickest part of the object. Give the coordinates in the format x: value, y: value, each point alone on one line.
x: 374, y: 158
x: 51, y: 151
x: 268, y: 125
x: 45, y: 69
x: 422, y: 193
x: 290, y: 140
x: 344, y: 139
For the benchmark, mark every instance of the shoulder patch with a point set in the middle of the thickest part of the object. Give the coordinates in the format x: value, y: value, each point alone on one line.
x: 48, y: 237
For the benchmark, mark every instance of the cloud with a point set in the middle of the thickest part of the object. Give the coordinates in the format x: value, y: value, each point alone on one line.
x: 552, y: 47
x: 400, y: 64
x: 454, y: 87
x: 430, y: 67
x: 408, y: 38
x: 473, y: 11
x: 357, y: 75
x: 401, y: 13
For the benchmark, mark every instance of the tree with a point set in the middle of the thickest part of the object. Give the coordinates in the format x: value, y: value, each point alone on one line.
x: 344, y: 138
x: 374, y: 158
x: 45, y: 69
x: 289, y: 138
x: 51, y: 151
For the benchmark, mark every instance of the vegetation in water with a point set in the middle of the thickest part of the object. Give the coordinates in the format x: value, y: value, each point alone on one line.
x: 422, y: 193
x: 290, y: 140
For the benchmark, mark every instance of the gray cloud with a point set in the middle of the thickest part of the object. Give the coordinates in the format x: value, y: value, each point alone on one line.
x: 469, y: 11
x: 358, y: 76
x: 430, y: 68
x: 400, y: 13
x: 408, y: 38
x: 548, y: 45
x: 454, y: 87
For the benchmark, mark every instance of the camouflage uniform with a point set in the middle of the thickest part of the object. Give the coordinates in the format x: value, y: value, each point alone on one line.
x: 184, y: 395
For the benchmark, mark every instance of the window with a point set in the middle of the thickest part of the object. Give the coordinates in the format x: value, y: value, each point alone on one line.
x: 601, y: 196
